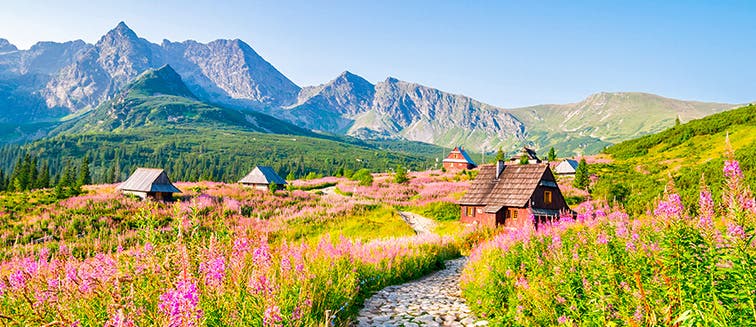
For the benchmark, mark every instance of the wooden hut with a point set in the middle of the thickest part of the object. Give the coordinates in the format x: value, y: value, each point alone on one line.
x: 261, y: 177
x: 149, y: 183
x: 567, y: 167
x: 509, y: 194
x: 528, y: 152
x: 458, y: 159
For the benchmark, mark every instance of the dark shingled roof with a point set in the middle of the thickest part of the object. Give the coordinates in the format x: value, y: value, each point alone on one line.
x: 148, y: 180
x: 263, y: 175
x: 513, y: 188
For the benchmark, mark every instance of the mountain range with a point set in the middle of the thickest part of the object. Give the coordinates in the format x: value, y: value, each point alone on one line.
x: 51, y: 86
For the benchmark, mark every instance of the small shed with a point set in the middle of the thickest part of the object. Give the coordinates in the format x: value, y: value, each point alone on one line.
x: 567, y: 167
x: 530, y: 153
x: 261, y: 177
x: 458, y: 159
x: 150, y: 183
x: 508, y: 194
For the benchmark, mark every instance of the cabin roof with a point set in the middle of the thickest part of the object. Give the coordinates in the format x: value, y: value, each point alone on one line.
x: 528, y: 152
x: 566, y: 166
x: 464, y: 154
x: 148, y: 180
x: 263, y: 175
x: 513, y: 188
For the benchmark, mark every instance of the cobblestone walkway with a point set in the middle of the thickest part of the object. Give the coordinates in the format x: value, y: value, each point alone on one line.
x: 433, y: 300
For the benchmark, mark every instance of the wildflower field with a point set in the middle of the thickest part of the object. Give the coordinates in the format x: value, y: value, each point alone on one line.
x: 221, y: 255
x: 673, y: 266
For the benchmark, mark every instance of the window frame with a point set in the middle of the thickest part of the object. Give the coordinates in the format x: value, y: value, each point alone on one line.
x: 548, y: 197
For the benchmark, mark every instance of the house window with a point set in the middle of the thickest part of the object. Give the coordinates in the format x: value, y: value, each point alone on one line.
x: 470, y: 212
x: 512, y: 213
x: 547, y: 197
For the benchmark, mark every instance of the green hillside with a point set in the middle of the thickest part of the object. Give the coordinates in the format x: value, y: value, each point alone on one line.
x: 607, y: 118
x: 643, y: 167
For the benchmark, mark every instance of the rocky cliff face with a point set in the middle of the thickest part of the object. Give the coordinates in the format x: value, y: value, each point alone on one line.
x: 229, y: 71
x: 351, y: 105
x: 75, y: 75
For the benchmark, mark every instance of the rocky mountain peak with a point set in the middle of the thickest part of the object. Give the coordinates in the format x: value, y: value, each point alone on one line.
x: 6, y: 46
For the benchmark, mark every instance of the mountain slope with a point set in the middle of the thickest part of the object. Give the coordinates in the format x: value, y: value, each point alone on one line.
x: 159, y: 98
x: 607, y: 118
x: 396, y: 109
x: 684, y: 153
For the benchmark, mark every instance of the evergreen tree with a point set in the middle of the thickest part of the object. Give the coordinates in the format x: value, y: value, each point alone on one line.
x: 552, y: 154
x: 43, y: 181
x: 84, y: 177
x: 290, y: 176
x: 524, y: 159
x: 677, y: 120
x: 2, y: 180
x: 581, y: 175
x: 32, y: 183
x: 500, y: 155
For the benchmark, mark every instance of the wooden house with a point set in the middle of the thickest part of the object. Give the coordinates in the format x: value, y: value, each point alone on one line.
x: 567, y: 167
x: 149, y: 183
x: 261, y: 177
x: 458, y: 159
x: 528, y: 152
x: 508, y: 194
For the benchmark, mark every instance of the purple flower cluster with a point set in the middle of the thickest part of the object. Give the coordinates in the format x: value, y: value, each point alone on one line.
x: 272, y: 316
x: 706, y: 204
x: 181, y: 304
x: 118, y: 319
x: 732, y: 170
x: 214, y: 270
x: 671, y: 208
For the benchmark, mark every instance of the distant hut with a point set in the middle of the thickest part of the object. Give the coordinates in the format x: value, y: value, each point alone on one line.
x: 510, y: 194
x: 567, y: 167
x: 458, y: 159
x: 530, y: 153
x: 261, y: 177
x: 149, y: 183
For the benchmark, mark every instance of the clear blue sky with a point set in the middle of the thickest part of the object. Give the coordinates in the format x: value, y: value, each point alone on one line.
x: 507, y: 54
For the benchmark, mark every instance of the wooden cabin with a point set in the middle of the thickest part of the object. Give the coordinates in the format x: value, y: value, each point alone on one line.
x: 567, y: 167
x: 149, y: 183
x: 528, y: 152
x: 458, y: 159
x: 508, y: 194
x: 261, y: 177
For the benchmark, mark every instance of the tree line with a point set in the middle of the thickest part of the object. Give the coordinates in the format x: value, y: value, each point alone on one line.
x: 31, y: 173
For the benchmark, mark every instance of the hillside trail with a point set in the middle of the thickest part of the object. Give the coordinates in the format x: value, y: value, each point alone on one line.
x: 420, y: 224
x: 433, y: 300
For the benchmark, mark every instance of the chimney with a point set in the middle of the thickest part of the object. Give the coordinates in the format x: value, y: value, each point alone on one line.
x: 499, y: 168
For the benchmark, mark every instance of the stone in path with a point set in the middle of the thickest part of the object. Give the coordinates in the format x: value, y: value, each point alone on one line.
x: 433, y: 300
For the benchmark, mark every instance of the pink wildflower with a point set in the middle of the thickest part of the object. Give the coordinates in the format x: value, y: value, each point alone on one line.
x: 181, y: 304
x: 706, y: 205
x: 118, y: 319
x: 601, y: 239
x: 670, y: 208
x: 735, y: 231
x: 272, y: 316
x: 732, y: 170
x: 214, y: 270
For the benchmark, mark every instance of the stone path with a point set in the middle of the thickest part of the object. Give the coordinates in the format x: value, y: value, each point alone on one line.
x: 420, y: 224
x: 433, y: 300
